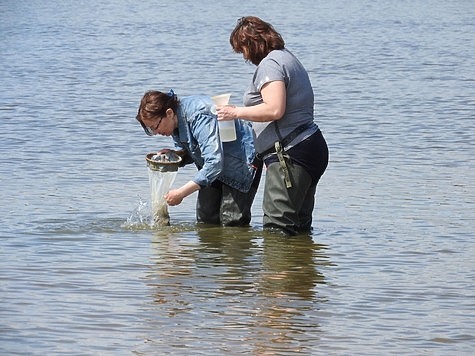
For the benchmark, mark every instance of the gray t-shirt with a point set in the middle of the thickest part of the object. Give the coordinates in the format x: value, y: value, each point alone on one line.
x: 282, y: 65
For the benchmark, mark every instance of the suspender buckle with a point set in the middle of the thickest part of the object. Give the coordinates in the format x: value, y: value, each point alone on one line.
x: 283, y: 164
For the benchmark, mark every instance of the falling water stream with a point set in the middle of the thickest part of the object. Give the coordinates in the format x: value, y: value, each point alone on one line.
x: 162, y: 171
x: 160, y: 183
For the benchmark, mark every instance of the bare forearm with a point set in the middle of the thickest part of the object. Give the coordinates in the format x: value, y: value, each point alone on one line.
x: 272, y: 107
x: 257, y: 113
x: 176, y: 196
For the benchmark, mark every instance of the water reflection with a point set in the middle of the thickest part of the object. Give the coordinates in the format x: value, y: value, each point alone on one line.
x: 288, y: 284
x: 290, y: 267
x: 248, y: 285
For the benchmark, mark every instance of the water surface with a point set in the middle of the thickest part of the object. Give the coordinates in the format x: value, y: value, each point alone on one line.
x: 389, y: 267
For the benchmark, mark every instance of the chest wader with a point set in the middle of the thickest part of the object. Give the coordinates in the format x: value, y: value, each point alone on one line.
x: 289, y: 194
x: 220, y: 204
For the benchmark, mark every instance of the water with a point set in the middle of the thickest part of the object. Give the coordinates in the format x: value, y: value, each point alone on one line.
x: 389, y: 268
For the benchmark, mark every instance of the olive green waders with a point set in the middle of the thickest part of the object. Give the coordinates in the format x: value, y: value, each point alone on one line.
x: 288, y: 209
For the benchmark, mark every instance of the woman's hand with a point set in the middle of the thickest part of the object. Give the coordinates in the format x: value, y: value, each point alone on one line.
x: 174, y: 197
x: 226, y: 112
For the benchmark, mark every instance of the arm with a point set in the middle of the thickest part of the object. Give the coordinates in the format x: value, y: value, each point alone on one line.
x: 204, y: 130
x: 272, y: 107
x: 176, y: 196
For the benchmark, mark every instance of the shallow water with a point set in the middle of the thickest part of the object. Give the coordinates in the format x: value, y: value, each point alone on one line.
x: 389, y: 267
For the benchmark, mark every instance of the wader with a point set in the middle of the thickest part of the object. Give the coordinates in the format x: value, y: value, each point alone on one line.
x: 289, y: 194
x: 288, y: 209
x: 221, y: 204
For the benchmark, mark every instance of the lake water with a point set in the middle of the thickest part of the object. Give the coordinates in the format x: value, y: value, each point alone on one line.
x: 389, y: 268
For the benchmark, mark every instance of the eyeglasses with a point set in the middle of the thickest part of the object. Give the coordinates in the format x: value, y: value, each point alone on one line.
x: 148, y: 130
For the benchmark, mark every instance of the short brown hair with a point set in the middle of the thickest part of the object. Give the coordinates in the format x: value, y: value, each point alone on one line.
x: 255, y: 38
x: 154, y: 105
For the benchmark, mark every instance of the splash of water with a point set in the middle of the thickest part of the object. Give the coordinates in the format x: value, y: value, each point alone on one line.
x: 162, y: 169
x: 140, y: 217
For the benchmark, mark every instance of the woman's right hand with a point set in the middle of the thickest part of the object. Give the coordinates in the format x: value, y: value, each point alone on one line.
x: 226, y: 112
x: 174, y: 197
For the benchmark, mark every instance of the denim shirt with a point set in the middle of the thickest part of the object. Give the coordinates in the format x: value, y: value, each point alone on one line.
x: 198, y: 134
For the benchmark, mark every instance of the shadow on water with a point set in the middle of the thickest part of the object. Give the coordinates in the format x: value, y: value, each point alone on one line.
x: 257, y: 291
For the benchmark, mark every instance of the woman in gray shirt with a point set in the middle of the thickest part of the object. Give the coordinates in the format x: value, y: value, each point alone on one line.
x: 280, y: 102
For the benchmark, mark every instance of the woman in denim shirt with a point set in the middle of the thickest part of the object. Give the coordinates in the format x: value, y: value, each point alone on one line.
x: 227, y: 177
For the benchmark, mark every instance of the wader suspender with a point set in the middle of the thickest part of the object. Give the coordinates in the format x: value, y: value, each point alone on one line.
x: 281, y: 155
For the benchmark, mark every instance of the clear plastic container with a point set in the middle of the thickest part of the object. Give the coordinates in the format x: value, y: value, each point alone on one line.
x: 227, y: 129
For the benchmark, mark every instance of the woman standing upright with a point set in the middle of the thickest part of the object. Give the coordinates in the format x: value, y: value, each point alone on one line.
x: 280, y: 103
